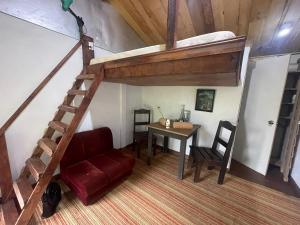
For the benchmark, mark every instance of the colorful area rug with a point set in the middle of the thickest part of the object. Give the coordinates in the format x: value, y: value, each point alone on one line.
x: 153, y: 195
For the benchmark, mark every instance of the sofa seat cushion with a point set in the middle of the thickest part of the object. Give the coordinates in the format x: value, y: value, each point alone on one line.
x: 85, y: 179
x: 112, y: 169
x: 126, y: 160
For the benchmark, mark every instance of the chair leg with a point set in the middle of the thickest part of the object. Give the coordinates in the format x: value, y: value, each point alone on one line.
x: 154, y: 148
x: 198, y: 171
x: 191, y: 159
x: 190, y: 162
x: 222, y: 173
x: 138, y: 152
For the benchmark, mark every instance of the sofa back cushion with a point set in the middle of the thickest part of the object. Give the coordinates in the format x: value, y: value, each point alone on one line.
x: 97, y: 141
x: 87, y: 144
x: 74, y: 153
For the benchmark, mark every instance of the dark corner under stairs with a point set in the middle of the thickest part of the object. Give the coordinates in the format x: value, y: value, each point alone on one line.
x: 273, y: 179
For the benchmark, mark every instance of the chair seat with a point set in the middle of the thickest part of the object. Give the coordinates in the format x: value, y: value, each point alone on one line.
x: 207, y: 154
x: 200, y: 155
x: 141, y: 136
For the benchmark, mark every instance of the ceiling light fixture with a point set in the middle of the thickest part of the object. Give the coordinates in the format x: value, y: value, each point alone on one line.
x: 285, y: 29
x: 284, y: 32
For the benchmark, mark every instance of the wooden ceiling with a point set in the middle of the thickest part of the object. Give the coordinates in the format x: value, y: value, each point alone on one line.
x: 260, y: 20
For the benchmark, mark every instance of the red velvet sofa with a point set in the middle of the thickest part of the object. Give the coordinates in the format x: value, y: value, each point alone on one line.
x: 91, y: 167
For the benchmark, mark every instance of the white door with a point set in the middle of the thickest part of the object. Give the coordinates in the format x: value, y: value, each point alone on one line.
x: 260, y: 110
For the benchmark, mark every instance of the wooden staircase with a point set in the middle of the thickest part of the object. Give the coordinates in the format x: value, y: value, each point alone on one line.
x: 28, y: 196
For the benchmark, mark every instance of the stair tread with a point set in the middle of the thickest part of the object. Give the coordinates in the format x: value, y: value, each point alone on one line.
x: 9, y: 213
x: 36, y: 167
x: 68, y: 108
x: 77, y: 92
x: 47, y: 145
x: 86, y: 77
x: 59, y: 126
x: 23, y: 190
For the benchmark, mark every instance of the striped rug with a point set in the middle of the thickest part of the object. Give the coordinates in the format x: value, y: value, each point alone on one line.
x: 153, y: 195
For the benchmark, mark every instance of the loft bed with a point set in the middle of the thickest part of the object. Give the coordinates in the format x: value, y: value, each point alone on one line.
x: 213, y: 59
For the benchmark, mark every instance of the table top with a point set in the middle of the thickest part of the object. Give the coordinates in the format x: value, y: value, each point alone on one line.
x: 178, y: 131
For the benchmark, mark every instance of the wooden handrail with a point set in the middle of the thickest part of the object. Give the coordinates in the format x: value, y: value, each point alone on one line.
x: 38, y: 89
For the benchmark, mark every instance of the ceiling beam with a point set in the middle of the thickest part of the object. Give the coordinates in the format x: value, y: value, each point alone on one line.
x: 207, y: 11
x: 171, y: 24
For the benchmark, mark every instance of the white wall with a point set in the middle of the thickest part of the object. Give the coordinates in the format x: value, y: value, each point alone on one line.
x: 170, y: 99
x: 102, y: 21
x: 28, y: 53
x: 226, y: 106
x: 296, y: 167
x: 133, y: 101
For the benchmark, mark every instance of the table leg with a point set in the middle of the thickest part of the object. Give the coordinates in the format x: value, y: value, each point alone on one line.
x: 149, y: 149
x: 194, y: 139
x: 181, y: 158
x: 166, y: 144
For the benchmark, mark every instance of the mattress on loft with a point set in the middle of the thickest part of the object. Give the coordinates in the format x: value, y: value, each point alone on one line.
x: 201, y: 39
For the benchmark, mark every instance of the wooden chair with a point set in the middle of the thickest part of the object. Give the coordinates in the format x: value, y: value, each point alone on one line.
x: 199, y: 155
x: 140, y: 137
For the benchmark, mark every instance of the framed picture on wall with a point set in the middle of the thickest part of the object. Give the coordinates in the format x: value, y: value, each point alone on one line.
x: 205, y: 100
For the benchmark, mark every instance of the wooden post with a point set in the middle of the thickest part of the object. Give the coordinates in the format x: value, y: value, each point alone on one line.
x: 87, y: 51
x: 171, y: 24
x: 6, y: 182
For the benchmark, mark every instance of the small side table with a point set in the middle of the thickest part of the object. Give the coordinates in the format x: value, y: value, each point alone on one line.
x: 181, y: 134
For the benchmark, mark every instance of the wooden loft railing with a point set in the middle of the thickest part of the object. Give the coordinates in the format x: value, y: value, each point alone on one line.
x: 6, y: 183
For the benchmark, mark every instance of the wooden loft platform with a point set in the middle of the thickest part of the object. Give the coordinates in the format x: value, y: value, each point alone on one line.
x: 211, y: 64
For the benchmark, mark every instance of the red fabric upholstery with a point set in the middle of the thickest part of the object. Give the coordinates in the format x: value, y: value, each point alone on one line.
x: 112, y: 168
x: 91, y: 167
x: 69, y: 157
x: 126, y: 160
x: 84, y: 179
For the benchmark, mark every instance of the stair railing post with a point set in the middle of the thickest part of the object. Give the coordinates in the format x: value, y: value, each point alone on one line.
x: 6, y: 182
x: 87, y: 51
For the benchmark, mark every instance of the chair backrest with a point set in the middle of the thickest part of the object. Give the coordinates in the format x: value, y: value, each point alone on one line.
x: 146, y: 112
x: 227, y: 144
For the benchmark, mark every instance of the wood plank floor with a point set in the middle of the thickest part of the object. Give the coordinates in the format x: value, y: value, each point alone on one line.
x: 153, y: 195
x: 273, y: 179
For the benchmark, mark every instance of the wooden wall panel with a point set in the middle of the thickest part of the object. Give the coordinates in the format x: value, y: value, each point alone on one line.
x: 218, y: 12
x: 231, y: 15
x: 137, y: 9
x: 221, y: 79
x: 158, y: 15
x: 244, y: 16
x: 196, y: 13
x: 133, y: 22
x: 261, y: 20
x: 201, y: 65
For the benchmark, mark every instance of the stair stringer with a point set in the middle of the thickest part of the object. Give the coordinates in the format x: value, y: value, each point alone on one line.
x: 44, y: 180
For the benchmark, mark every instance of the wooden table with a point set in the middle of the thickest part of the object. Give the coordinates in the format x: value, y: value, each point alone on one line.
x: 181, y: 134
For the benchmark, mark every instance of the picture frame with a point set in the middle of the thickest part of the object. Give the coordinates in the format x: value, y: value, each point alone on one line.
x: 205, y: 100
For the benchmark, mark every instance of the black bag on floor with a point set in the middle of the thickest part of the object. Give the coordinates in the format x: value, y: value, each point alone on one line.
x: 50, y: 199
